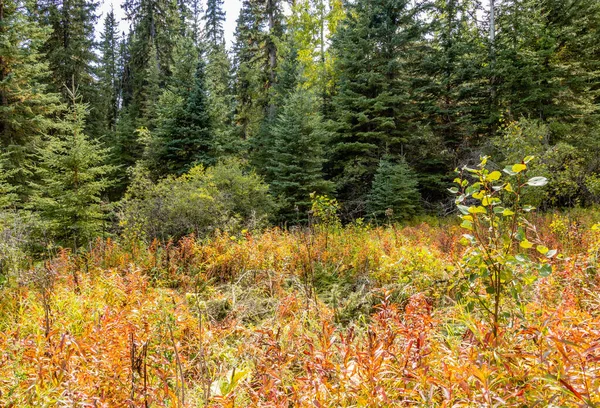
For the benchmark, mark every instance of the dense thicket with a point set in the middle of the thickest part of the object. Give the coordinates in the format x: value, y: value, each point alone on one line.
x: 373, y: 102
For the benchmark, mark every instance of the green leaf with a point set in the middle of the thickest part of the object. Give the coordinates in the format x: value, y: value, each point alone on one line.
x: 545, y: 270
x: 507, y: 212
x: 508, y: 170
x: 467, y: 225
x: 453, y: 190
x: 551, y: 253
x: 527, y: 159
x: 537, y: 181
x: 463, y: 209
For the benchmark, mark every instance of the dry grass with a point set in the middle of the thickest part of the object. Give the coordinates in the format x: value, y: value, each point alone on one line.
x: 337, y: 318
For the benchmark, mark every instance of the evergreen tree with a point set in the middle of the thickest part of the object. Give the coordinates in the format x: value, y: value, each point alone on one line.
x: 109, y: 72
x: 221, y: 101
x: 188, y: 138
x: 375, y: 49
x: 394, y: 194
x: 213, y: 23
x: 156, y: 25
x: 539, y: 66
x: 289, y: 74
x: 453, y: 89
x: 26, y: 105
x: 72, y: 176
x: 295, y: 167
x: 250, y: 73
x: 219, y: 81
x: 70, y: 51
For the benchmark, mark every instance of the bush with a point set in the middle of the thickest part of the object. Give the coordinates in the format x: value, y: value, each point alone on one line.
x: 224, y: 197
x: 571, y: 179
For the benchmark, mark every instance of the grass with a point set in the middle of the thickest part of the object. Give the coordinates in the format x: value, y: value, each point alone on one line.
x: 339, y: 317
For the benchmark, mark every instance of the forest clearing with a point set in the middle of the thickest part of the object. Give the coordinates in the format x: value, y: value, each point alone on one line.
x: 299, y: 203
x: 334, y: 316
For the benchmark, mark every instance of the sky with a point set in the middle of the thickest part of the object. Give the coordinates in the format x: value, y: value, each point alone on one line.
x: 231, y: 8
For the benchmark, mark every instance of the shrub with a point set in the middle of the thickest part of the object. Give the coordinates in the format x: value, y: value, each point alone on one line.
x: 571, y: 179
x: 504, y: 253
x: 224, y: 197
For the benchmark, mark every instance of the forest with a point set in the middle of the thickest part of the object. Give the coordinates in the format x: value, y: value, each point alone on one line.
x: 356, y: 203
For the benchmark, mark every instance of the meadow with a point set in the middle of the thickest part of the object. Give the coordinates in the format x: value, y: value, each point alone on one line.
x: 325, y: 316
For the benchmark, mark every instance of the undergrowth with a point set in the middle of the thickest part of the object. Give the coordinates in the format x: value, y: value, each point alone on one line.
x: 328, y: 317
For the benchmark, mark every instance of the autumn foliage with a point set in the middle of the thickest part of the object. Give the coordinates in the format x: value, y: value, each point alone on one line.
x: 322, y: 317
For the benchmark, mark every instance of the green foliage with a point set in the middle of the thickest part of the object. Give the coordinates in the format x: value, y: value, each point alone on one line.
x: 394, y: 194
x: 72, y: 176
x: 223, y: 197
x: 296, y: 156
x: 568, y: 170
x: 325, y: 210
x: 110, y: 72
x: 214, y: 18
x: 70, y: 52
x: 221, y: 102
x: 504, y: 255
x: 373, y: 109
x: 186, y: 137
x: 26, y: 105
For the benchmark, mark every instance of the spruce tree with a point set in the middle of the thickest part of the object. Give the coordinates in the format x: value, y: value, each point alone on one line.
x: 374, y: 111
x: 72, y: 176
x: 110, y: 71
x: 188, y: 138
x: 219, y: 81
x: 250, y: 74
x: 295, y: 167
x: 394, y: 194
x: 70, y: 51
x: 27, y: 106
x: 213, y: 23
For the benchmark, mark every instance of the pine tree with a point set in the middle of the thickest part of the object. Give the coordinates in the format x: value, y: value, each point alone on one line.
x: 8, y: 192
x: 539, y: 64
x: 295, y: 167
x: 26, y: 105
x: 156, y: 25
x: 221, y: 102
x: 375, y: 49
x: 454, y: 89
x: 394, y: 194
x: 289, y: 75
x: 72, y: 176
x: 219, y: 81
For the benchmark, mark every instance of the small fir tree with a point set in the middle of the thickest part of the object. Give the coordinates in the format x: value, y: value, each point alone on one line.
x: 295, y: 168
x: 394, y: 194
x: 72, y: 176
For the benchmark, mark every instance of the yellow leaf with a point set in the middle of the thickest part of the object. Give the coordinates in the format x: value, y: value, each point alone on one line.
x: 542, y: 249
x: 494, y: 175
x: 526, y: 244
x: 517, y: 168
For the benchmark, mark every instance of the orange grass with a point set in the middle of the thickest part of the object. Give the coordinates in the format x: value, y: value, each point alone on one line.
x: 253, y: 320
